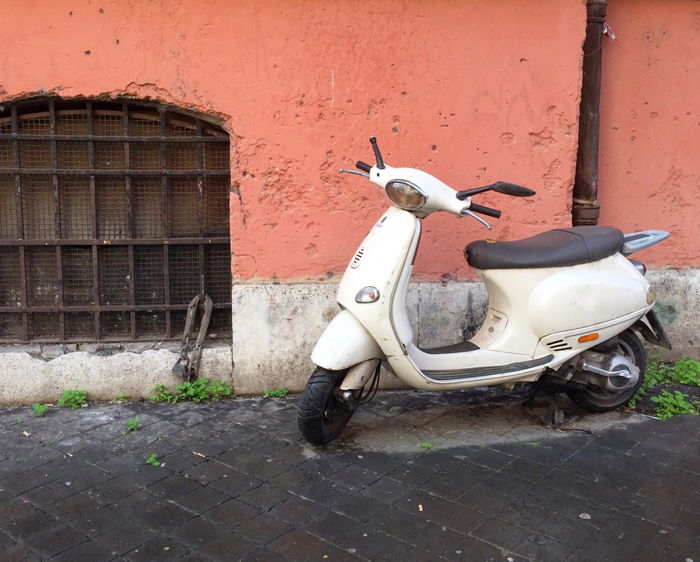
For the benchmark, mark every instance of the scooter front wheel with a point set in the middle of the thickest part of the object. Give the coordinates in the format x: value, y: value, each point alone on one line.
x: 321, y: 416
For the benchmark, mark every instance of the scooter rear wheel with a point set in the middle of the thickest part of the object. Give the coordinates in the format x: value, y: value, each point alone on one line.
x: 598, y: 400
x: 320, y: 415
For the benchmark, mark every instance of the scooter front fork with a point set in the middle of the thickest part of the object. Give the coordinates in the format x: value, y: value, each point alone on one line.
x: 351, y: 390
x: 358, y: 375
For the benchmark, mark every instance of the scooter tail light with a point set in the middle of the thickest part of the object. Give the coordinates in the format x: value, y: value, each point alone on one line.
x: 639, y: 266
x: 367, y: 295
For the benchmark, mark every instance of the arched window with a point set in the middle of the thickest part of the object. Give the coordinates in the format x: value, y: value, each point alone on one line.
x: 113, y: 216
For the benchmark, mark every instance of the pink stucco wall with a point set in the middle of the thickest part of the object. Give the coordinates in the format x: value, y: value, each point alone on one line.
x: 650, y: 125
x: 471, y: 91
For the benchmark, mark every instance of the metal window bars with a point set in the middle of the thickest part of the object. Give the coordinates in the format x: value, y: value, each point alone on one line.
x: 113, y: 215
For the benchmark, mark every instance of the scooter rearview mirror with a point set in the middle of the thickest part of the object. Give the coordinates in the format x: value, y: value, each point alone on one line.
x: 512, y: 189
x: 377, y: 154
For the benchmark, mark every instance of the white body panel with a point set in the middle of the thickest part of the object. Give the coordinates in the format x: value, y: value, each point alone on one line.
x: 344, y: 343
x: 540, y: 303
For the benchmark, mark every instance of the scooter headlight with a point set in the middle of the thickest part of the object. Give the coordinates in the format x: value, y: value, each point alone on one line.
x: 367, y: 295
x: 406, y: 195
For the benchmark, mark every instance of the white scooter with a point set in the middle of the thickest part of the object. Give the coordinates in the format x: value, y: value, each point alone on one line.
x: 565, y: 308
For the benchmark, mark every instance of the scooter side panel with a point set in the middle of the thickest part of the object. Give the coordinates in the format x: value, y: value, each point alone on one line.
x: 587, y: 295
x: 544, y: 301
x: 565, y: 345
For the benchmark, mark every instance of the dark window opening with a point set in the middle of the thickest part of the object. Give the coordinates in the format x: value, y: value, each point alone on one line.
x: 113, y: 216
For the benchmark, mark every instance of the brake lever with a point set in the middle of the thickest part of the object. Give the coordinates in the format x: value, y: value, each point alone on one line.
x: 363, y: 174
x: 477, y: 217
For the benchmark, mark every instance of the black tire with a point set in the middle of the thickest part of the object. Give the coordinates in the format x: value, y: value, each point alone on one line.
x: 320, y: 415
x: 598, y: 400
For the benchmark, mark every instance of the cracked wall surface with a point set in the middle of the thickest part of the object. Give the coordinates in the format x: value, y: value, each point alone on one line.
x: 650, y: 126
x: 478, y: 93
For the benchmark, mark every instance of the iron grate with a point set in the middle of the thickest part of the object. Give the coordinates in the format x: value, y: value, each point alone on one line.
x: 113, y: 216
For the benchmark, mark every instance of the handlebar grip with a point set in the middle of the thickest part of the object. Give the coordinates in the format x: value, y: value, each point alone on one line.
x: 363, y: 166
x: 495, y: 213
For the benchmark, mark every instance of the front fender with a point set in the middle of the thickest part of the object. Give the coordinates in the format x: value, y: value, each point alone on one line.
x: 344, y: 343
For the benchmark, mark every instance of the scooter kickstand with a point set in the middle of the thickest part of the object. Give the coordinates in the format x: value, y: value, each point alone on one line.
x: 555, y: 415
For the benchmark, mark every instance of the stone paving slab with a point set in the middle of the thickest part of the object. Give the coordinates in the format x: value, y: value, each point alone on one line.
x: 238, y: 483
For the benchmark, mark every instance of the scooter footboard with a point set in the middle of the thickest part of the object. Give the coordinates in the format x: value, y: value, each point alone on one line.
x: 344, y: 343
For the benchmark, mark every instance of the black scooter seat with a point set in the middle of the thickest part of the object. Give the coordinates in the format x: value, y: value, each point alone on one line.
x: 555, y: 248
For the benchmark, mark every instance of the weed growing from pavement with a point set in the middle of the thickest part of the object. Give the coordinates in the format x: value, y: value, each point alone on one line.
x: 73, y: 398
x: 276, y: 393
x: 685, y: 371
x: 133, y: 424
x: 674, y: 403
x: 39, y: 410
x: 196, y: 391
x: 426, y: 446
x: 153, y: 460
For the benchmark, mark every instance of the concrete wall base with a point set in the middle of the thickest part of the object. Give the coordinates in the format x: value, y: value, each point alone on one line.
x: 678, y: 308
x: 274, y: 329
x: 28, y: 377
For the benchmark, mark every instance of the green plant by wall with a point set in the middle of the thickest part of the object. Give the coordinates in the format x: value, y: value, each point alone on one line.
x: 192, y: 391
x: 73, y: 398
x: 685, y: 371
x: 218, y: 390
x: 276, y: 393
x: 39, y: 410
x: 161, y: 394
x: 196, y: 391
x: 674, y: 403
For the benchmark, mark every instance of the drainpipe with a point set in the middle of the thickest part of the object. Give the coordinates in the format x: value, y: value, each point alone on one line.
x: 586, y: 209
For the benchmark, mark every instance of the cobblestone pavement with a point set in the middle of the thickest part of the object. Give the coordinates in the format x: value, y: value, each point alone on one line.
x: 490, y: 482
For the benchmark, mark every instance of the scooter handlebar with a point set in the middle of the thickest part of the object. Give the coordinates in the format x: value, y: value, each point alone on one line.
x: 363, y: 166
x: 495, y: 213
